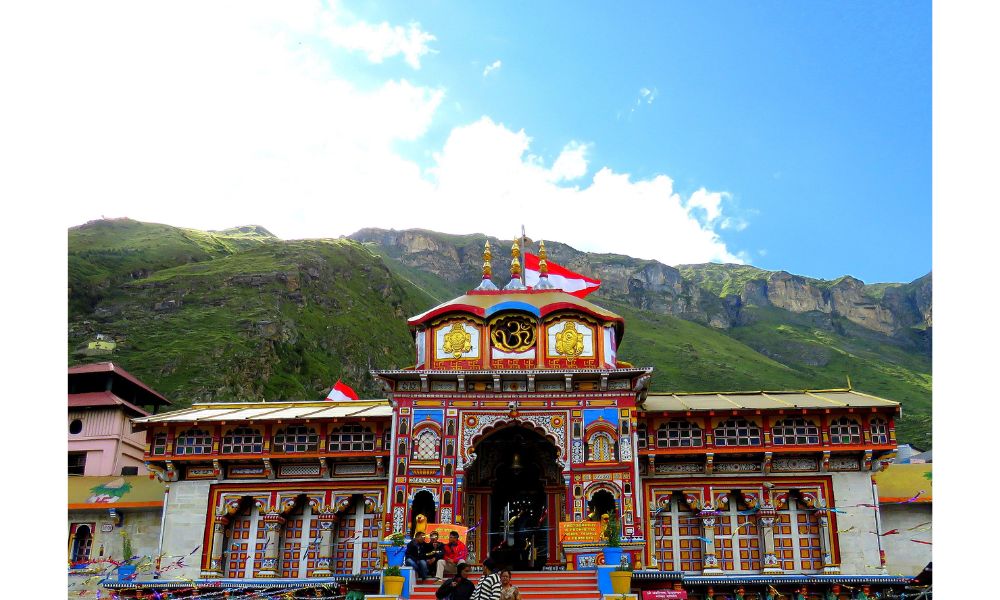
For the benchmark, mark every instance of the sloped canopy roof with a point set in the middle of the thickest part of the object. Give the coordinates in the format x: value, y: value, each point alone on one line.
x: 270, y: 411
x: 683, y: 402
x: 100, y: 399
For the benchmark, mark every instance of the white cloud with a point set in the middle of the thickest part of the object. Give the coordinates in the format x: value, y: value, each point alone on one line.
x: 492, y: 67
x: 646, y: 95
x: 382, y: 41
x: 571, y: 163
x: 246, y: 121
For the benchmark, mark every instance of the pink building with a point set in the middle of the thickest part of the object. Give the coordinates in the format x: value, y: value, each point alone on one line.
x: 102, y: 399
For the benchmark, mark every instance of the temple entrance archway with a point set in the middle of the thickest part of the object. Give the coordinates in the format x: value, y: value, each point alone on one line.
x: 516, y: 490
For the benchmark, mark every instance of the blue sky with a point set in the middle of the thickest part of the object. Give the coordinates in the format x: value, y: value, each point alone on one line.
x: 787, y: 135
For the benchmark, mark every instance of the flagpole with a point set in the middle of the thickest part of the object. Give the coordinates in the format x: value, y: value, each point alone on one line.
x: 524, y: 250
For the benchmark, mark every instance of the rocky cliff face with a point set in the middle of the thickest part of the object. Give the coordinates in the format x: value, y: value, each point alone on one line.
x: 661, y: 288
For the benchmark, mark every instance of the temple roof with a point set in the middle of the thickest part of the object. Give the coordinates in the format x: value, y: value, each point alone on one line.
x: 840, y: 398
x: 100, y: 399
x: 537, y: 302
x: 84, y: 378
x: 272, y: 411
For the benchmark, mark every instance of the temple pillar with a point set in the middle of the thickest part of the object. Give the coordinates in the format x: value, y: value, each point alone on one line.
x: 825, y: 544
x: 324, y: 553
x: 273, y: 523
x: 215, y: 566
x: 766, y: 516
x: 709, y: 561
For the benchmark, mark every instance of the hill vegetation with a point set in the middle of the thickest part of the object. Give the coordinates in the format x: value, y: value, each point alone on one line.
x: 241, y: 315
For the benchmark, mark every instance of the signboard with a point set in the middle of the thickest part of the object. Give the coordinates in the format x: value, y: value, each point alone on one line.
x: 443, y: 529
x: 580, y: 531
x: 664, y: 595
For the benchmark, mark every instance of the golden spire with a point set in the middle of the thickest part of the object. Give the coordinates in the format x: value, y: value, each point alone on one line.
x: 543, y: 269
x: 515, y: 269
x: 487, y: 255
x: 515, y: 262
x: 487, y: 283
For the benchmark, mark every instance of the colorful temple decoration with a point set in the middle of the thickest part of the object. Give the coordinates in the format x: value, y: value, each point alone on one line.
x: 519, y: 425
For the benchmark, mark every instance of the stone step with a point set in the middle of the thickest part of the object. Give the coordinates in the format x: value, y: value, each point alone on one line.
x: 536, y: 585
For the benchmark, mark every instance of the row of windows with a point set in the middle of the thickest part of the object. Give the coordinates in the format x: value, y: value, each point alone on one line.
x: 741, y: 432
x: 247, y: 440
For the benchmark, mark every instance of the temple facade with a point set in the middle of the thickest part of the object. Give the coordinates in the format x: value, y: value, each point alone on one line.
x: 516, y: 421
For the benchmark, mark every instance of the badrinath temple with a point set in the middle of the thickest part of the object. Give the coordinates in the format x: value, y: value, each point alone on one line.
x: 519, y: 427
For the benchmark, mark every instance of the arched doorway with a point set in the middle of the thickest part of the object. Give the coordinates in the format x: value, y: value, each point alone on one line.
x: 516, y: 486
x: 423, y: 504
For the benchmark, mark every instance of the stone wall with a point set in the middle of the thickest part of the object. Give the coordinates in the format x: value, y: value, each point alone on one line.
x: 903, y: 556
x: 143, y: 526
x: 184, y: 526
x: 858, y: 548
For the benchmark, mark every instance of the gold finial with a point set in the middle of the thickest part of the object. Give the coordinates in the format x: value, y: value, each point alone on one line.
x: 487, y: 255
x: 515, y: 262
x: 543, y: 267
x: 487, y: 283
x: 515, y: 269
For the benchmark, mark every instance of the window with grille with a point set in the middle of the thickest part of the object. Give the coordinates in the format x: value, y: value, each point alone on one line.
x: 641, y: 435
x: 880, y: 431
x: 77, y: 463
x: 794, y: 431
x: 159, y: 445
x: 796, y: 539
x: 351, y: 438
x: 737, y: 432
x: 426, y: 445
x: 678, y: 538
x: 193, y: 441
x: 845, y: 431
x: 243, y: 440
x: 678, y: 434
x: 387, y: 439
x: 601, y: 447
x: 296, y: 438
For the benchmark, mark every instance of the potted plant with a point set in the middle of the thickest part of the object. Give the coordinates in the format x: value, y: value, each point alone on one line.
x: 613, y: 540
x: 392, y: 581
x: 621, y: 577
x: 126, y: 570
x: 396, y: 550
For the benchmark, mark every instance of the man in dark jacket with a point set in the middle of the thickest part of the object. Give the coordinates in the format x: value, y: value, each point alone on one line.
x: 456, y: 588
x: 415, y: 556
x: 434, y: 553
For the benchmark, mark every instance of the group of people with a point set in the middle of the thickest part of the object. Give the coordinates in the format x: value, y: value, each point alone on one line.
x: 450, y: 558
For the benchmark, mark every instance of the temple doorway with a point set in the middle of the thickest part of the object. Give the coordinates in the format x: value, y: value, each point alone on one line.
x: 514, y: 479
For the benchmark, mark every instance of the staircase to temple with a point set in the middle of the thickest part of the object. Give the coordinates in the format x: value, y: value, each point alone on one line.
x: 536, y: 585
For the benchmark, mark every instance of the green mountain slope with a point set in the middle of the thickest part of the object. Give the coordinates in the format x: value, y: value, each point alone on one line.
x: 283, y: 320
x: 241, y: 315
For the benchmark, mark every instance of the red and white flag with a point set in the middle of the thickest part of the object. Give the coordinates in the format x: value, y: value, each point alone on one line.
x: 560, y: 277
x: 341, y: 391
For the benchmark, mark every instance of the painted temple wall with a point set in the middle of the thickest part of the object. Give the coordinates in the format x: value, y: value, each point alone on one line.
x: 903, y: 556
x: 858, y: 547
x: 143, y: 526
x: 184, y: 525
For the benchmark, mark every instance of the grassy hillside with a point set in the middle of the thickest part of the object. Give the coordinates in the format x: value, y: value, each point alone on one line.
x: 281, y: 321
x: 241, y: 315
